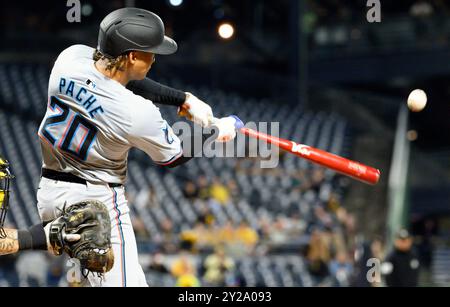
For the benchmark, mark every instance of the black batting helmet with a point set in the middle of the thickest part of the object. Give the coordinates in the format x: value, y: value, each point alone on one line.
x: 133, y: 29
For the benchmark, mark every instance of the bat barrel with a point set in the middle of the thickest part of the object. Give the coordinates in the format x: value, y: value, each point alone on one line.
x: 342, y: 165
x: 339, y: 164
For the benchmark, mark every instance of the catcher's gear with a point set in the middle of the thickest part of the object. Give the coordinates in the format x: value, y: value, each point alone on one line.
x: 83, y: 231
x: 133, y: 29
x: 5, y: 177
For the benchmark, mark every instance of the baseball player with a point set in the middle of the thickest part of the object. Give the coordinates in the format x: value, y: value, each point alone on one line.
x: 93, y: 120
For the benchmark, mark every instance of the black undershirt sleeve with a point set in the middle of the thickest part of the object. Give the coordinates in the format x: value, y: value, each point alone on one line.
x: 157, y: 92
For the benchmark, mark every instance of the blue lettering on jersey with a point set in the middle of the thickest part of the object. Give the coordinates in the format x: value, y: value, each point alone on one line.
x: 89, y: 102
x: 95, y: 111
x: 82, y: 90
x: 69, y: 90
x: 62, y: 83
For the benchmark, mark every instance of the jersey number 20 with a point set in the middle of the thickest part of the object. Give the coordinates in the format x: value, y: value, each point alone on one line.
x: 70, y: 126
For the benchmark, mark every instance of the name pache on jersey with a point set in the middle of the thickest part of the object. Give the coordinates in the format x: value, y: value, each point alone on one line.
x: 80, y: 96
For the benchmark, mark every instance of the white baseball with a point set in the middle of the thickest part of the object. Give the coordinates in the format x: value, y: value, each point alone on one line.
x: 417, y: 100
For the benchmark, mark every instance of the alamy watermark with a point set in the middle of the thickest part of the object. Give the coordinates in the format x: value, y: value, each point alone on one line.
x: 374, y: 273
x: 74, y: 273
x: 374, y: 13
x: 242, y: 147
x: 74, y: 11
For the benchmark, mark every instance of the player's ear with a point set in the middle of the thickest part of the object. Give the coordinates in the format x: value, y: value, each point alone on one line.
x: 132, y: 57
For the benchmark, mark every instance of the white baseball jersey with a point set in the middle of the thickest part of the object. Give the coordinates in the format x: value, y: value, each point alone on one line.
x: 93, y: 121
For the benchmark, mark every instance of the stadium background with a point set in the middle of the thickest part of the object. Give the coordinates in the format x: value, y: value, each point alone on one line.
x: 332, y: 79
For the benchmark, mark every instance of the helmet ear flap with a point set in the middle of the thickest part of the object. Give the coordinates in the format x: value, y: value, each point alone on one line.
x: 5, y: 178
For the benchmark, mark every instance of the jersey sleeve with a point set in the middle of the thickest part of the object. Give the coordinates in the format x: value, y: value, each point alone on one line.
x: 152, y: 134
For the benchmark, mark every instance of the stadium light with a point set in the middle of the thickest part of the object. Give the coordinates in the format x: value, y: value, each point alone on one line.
x: 176, y: 2
x: 226, y: 31
x: 86, y: 9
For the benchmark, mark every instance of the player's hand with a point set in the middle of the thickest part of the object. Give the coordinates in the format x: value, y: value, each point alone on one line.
x: 69, y: 238
x: 196, y: 110
x: 227, y: 127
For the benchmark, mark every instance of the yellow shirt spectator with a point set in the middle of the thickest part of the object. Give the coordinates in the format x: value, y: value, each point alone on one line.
x: 188, y: 280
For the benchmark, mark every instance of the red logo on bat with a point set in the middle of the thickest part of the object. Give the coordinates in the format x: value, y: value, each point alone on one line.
x: 301, y: 149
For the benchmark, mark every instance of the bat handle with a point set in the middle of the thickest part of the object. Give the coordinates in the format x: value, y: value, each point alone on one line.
x: 239, y: 125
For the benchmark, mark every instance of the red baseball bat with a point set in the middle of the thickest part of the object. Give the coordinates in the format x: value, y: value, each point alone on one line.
x: 339, y: 164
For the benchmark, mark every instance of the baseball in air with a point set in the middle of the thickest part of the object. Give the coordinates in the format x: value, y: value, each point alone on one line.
x: 417, y: 100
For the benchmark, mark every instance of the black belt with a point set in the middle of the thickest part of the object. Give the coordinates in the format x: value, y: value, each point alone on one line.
x: 68, y: 177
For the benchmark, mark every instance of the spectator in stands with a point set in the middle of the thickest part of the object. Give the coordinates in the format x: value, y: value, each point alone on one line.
x: 377, y: 248
x: 184, y: 270
x: 203, y: 187
x: 219, y: 192
x: 226, y: 234
x: 324, y: 218
x: 277, y: 231
x: 246, y: 235
x: 233, y: 188
x: 152, y: 199
x: 139, y: 228
x: 188, y: 280
x: 401, y: 267
x: 264, y: 229
x: 218, y: 267
x: 318, y: 256
x: 341, y: 269
x: 362, y: 254
x: 157, y: 264
x: 205, y: 215
x: 188, y: 240
x: 317, y: 179
x: 168, y: 236
x: 190, y: 191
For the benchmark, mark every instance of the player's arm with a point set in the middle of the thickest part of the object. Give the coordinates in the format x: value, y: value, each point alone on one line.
x: 150, y: 133
x: 224, y: 130
x: 157, y: 92
x: 16, y: 240
x: 188, y: 104
x: 36, y: 237
x: 10, y: 243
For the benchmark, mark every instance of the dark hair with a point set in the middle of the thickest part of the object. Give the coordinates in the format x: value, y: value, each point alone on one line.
x: 113, y: 63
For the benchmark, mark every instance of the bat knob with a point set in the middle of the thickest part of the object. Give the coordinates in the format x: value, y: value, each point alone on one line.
x: 239, y: 124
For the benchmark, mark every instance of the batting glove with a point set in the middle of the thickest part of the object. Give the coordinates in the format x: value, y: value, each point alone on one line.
x: 196, y: 110
x: 227, y: 127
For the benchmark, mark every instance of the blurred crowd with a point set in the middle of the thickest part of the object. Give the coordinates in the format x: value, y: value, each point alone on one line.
x: 414, y: 23
x: 208, y: 253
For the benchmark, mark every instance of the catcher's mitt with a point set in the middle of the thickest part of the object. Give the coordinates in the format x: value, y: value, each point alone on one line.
x: 83, y: 231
